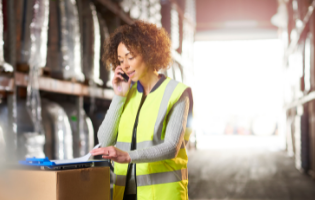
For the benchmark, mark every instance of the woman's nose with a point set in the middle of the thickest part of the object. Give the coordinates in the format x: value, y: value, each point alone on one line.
x: 125, y: 65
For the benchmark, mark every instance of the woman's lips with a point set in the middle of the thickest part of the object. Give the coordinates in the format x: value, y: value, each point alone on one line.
x: 130, y: 74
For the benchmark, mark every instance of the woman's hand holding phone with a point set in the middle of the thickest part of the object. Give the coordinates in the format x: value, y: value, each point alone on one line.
x: 120, y: 85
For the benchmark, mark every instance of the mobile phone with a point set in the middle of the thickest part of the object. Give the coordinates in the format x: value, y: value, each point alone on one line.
x: 126, y: 78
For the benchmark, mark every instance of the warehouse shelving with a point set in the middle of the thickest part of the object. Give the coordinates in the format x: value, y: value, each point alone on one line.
x: 299, y: 111
x: 291, y: 48
x: 11, y: 84
x: 55, y: 85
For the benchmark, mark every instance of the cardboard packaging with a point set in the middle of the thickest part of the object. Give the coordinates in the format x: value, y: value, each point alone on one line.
x: 79, y: 184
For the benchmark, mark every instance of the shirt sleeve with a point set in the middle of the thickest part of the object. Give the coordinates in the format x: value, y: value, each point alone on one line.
x: 174, y: 135
x: 107, y: 132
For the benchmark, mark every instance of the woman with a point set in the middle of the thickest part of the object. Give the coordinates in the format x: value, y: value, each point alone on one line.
x: 147, y: 117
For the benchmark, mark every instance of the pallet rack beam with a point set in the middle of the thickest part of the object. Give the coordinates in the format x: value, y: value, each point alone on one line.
x: 301, y: 101
x: 61, y: 86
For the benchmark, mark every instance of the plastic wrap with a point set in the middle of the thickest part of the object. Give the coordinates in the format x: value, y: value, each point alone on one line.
x: 3, y: 116
x: 91, y: 41
x: 126, y: 5
x: 26, y: 18
x: 97, y: 118
x: 83, y: 141
x: 155, y: 12
x: 58, y: 132
x: 4, y: 129
x: 33, y: 144
x: 105, y: 75
x: 135, y: 11
x: 2, y: 146
x: 97, y: 47
x: 38, y: 55
x: 70, y: 40
x: 4, y: 66
x: 174, y: 28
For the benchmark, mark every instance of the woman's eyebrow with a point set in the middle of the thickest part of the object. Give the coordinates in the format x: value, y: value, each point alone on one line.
x: 125, y: 55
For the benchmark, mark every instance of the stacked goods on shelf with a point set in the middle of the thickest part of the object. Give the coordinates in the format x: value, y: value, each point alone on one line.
x: 58, y: 132
x: 170, y: 72
x: 190, y: 10
x: 97, y: 118
x: 4, y: 129
x: 64, y: 46
x: 126, y: 5
x: 83, y: 141
x: 177, y: 72
x: 4, y: 66
x: 188, y: 41
x: 30, y: 143
x: 24, y: 20
x: 175, y: 20
x: 295, y: 72
x: 135, y: 9
x: 146, y: 10
x: 90, y: 40
x: 105, y: 75
x: 37, y: 59
x: 155, y: 12
x: 307, y: 63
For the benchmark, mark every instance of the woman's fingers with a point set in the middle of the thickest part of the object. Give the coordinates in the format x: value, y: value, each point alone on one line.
x: 112, y: 153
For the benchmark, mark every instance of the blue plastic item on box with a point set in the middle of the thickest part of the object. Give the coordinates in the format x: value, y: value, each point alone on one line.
x: 47, y: 164
x: 37, y: 162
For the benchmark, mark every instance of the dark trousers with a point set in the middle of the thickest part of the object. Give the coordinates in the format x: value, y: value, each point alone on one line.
x: 130, y: 197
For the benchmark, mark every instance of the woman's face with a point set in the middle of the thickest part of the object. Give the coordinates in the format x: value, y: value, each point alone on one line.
x: 133, y: 65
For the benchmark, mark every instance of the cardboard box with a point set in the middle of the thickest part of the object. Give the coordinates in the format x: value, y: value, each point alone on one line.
x: 89, y: 183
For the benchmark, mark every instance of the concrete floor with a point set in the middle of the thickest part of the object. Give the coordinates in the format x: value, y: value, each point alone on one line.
x: 239, y: 174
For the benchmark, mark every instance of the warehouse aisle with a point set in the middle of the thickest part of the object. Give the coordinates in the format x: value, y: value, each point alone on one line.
x: 246, y: 174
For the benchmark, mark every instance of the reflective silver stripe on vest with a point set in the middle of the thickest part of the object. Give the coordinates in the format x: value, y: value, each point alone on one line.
x: 162, y: 110
x: 160, y: 178
x: 125, y: 146
x: 120, y: 180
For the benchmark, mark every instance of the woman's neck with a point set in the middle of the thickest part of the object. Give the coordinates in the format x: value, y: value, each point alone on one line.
x: 149, y: 81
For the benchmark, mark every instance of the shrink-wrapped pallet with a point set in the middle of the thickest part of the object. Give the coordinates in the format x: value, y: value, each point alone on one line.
x: 83, y: 141
x: 4, y: 66
x: 64, y: 47
x: 90, y: 40
x: 105, y: 75
x: 58, y: 132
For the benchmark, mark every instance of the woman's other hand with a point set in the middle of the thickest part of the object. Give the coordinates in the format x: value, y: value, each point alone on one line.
x: 121, y: 87
x: 112, y: 153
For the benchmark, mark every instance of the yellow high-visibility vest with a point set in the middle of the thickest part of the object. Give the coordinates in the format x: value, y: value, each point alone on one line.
x: 161, y: 180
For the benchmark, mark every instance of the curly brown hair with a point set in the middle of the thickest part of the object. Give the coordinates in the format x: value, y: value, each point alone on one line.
x: 146, y: 39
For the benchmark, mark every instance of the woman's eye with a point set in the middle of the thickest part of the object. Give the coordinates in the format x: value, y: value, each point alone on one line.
x: 121, y: 61
x: 131, y: 58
